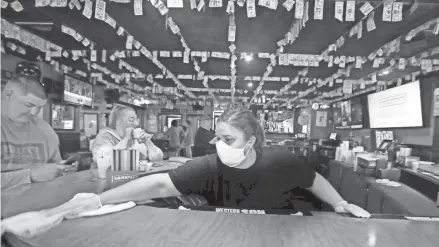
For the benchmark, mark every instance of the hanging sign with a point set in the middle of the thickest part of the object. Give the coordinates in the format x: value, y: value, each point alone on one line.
x: 436, y: 102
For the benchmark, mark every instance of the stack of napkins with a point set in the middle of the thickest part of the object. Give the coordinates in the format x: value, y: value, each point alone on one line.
x: 387, y: 182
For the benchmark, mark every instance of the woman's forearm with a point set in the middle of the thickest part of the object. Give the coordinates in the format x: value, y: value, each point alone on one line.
x: 142, y: 189
x: 325, y: 191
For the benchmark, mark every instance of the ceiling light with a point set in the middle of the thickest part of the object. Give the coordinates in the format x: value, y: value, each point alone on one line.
x: 248, y: 57
x: 386, y: 72
x: 250, y: 84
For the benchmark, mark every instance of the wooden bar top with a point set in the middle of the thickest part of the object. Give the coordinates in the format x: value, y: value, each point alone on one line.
x: 148, y: 226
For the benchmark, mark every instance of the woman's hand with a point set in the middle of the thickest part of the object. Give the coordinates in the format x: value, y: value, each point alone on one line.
x: 80, y: 203
x: 345, y: 207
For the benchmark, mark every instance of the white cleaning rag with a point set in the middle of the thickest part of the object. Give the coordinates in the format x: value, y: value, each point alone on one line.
x: 31, y: 224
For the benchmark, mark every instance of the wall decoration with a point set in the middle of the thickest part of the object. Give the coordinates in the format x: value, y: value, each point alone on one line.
x: 321, y: 118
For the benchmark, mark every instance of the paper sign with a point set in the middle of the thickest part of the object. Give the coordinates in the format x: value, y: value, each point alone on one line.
x: 321, y: 118
x: 138, y: 7
x: 401, y: 64
x: 318, y: 9
x: 397, y: 12
x: 289, y: 4
x: 93, y: 56
x: 120, y: 31
x: 298, y: 13
x: 100, y: 10
x: 251, y: 9
x: 186, y: 57
x: 339, y: 9
x: 366, y: 8
x: 175, y: 3
x: 436, y: 102
x: 350, y: 11
x: 360, y: 30
x: 387, y: 12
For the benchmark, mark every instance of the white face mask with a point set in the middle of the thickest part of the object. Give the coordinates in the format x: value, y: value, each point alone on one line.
x: 230, y: 156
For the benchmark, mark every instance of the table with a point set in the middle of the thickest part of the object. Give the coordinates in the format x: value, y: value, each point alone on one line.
x: 147, y: 226
x: 37, y: 196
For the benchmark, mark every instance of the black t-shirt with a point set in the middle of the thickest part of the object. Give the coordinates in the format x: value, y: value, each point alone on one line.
x: 275, y: 181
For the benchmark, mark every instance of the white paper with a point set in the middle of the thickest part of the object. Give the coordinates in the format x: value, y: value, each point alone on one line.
x: 288, y: 4
x: 120, y: 31
x: 360, y: 29
x: 93, y: 56
x: 108, y: 209
x: 129, y: 42
x: 58, y: 3
x: 300, y: 5
x: 436, y: 102
x: 321, y: 118
x: 186, y: 57
x: 16, y: 5
x: 38, y: 3
x: 350, y: 11
x: 200, y: 5
x: 251, y: 9
x: 100, y: 10
x: 138, y: 7
x: 241, y: 3
x: 387, y: 12
x: 175, y: 3
x: 215, y: 3
x: 88, y: 9
x: 318, y: 9
x: 366, y: 8
x: 232, y: 33
x: 347, y: 86
x: 339, y: 9
x: 193, y: 4
x: 104, y: 56
x: 397, y: 12
x: 76, y: 4
x: 370, y: 23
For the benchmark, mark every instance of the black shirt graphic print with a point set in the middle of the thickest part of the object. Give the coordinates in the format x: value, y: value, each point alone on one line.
x: 275, y: 181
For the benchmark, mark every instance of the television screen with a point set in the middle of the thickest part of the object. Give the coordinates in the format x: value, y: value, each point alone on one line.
x: 77, y: 92
x: 349, y: 114
x: 396, y: 107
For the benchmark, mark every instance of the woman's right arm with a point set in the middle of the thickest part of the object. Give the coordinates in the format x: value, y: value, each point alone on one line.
x: 142, y: 189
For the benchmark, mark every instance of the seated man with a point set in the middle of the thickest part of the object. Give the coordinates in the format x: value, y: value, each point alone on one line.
x: 119, y: 135
x: 29, y: 146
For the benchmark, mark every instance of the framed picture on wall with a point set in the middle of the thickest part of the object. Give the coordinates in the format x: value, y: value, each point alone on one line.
x: 63, y: 117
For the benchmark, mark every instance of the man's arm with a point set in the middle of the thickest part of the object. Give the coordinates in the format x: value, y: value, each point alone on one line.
x: 14, y: 178
x: 154, y: 152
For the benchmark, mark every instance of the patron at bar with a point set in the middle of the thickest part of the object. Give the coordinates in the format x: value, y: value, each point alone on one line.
x: 203, y: 136
x: 119, y: 134
x: 29, y: 145
x: 243, y: 174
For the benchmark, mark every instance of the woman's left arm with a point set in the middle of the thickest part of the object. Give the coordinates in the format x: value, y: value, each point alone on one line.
x: 154, y: 152
x: 325, y: 192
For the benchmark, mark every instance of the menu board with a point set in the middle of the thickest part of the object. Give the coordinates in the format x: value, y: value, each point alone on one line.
x: 277, y: 121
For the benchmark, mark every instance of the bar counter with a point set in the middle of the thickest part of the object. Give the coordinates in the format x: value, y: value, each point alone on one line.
x: 148, y: 226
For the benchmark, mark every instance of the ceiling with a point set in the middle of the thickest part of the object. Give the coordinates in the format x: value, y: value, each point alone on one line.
x: 207, y: 30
